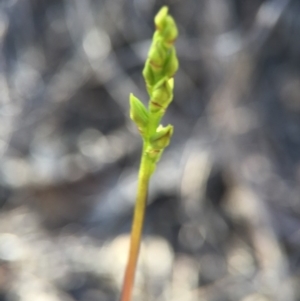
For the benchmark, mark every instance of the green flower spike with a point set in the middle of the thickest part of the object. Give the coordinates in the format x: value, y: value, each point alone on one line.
x: 158, y: 72
x: 162, y: 60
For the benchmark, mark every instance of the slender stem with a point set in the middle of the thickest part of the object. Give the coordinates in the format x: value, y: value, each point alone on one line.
x: 137, y: 225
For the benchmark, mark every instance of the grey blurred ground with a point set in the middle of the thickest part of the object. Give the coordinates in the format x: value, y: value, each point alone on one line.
x: 223, y: 221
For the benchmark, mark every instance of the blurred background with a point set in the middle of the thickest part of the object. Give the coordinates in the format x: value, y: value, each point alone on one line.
x: 223, y: 221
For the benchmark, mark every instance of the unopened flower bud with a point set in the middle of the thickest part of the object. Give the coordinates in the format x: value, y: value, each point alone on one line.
x: 148, y: 77
x: 162, y: 95
x: 170, y: 31
x: 138, y: 113
x: 162, y: 137
x: 160, y: 18
x: 157, y: 55
x: 172, y: 64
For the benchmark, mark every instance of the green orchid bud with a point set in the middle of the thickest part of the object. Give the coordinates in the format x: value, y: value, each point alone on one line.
x: 162, y: 95
x: 170, y: 31
x: 158, y: 142
x: 157, y: 55
x: 166, y: 27
x: 161, y: 139
x: 149, y: 77
x: 138, y: 113
x: 171, y: 64
x: 160, y: 18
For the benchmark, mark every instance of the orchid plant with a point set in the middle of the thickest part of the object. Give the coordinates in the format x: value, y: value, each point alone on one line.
x: 158, y: 72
